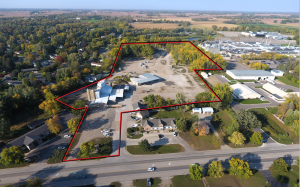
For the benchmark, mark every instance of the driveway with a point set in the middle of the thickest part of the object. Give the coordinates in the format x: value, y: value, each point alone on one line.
x: 221, y: 79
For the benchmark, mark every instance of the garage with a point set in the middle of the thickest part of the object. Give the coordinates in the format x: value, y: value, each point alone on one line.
x: 207, y: 110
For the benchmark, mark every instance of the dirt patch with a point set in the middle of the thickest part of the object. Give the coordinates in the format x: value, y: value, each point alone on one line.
x: 169, y: 83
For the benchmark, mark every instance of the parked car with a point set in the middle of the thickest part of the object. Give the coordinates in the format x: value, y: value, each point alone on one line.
x: 149, y: 182
x: 160, y: 136
x: 136, y: 119
x: 134, y: 125
x: 132, y: 117
x: 106, y: 134
x: 61, y: 147
x: 67, y: 136
x: 80, y: 176
x: 105, y: 130
x: 151, y: 169
x: 174, y: 134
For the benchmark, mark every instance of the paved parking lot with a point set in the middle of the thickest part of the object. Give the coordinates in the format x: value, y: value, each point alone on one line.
x: 234, y: 65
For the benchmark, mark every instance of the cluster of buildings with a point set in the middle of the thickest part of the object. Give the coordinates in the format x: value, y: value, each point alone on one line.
x: 233, y: 48
x: 273, y: 35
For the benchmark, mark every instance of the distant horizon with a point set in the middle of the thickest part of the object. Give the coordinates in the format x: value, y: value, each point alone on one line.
x: 262, y: 12
x: 266, y: 6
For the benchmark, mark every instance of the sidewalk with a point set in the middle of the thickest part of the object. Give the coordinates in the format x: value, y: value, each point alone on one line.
x: 223, y: 146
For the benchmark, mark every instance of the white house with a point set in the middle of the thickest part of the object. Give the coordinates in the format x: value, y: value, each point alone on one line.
x: 207, y: 110
x: 250, y: 74
x: 242, y: 91
x: 197, y: 111
x: 204, y: 74
x: 277, y: 72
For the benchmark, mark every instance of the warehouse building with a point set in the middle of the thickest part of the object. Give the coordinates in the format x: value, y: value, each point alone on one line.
x: 242, y: 91
x: 277, y: 72
x: 145, y: 78
x: 277, y: 93
x: 250, y: 74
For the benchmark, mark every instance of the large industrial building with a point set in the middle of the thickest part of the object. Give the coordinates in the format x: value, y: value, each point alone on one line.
x: 242, y: 91
x: 277, y: 93
x: 104, y: 93
x: 250, y: 74
x: 145, y: 78
x: 276, y: 72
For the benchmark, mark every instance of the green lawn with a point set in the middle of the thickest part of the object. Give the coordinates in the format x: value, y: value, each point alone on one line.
x: 228, y: 77
x: 2, y: 166
x: 251, y: 101
x: 290, y: 177
x: 291, y: 138
x: 273, y: 110
x: 136, y: 136
x: 199, y: 143
x: 177, y: 114
x: 227, y: 180
x: 143, y: 182
x: 115, y: 184
x: 288, y: 82
x: 160, y: 149
x: 257, y: 86
x: 56, y: 156
x: 105, y: 145
x: 246, y: 80
x: 185, y: 180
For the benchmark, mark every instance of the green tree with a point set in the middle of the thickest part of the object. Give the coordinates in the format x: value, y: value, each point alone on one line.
x: 232, y: 128
x: 180, y: 98
x: 12, y: 155
x: 256, y: 138
x: 240, y: 168
x: 145, y: 146
x: 181, y: 124
x: 204, y: 96
x: 34, y: 182
x: 73, y: 124
x: 297, y: 161
x: 4, y: 128
x: 39, y: 65
x: 75, y: 66
x: 237, y: 138
x: 78, y: 104
x: 224, y: 92
x: 31, y: 76
x: 195, y: 172
x: 280, y: 166
x: 247, y: 120
x: 85, y: 149
x: 20, y: 76
x: 215, y: 169
x: 26, y: 82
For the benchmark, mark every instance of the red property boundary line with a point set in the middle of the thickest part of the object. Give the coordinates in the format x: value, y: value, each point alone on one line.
x: 86, y: 108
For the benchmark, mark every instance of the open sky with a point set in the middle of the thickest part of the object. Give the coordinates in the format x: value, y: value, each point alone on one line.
x: 211, y: 5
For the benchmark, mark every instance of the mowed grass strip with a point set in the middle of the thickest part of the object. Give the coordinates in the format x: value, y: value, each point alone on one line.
x: 287, y: 81
x: 158, y: 149
x: 251, y: 101
x: 185, y: 180
x: 291, y: 177
x: 234, y: 181
x: 199, y: 143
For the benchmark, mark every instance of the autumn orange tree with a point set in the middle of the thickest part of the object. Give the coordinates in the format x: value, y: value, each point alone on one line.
x: 54, y: 125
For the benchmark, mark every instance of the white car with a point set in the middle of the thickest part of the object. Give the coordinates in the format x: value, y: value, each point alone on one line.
x: 174, y: 134
x: 135, y: 125
x: 106, y: 134
x: 151, y: 169
x: 105, y: 130
x: 67, y: 136
x: 61, y: 147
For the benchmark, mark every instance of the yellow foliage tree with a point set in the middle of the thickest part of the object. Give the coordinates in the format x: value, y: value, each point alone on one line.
x: 49, y: 107
x: 87, y: 70
x: 17, y: 100
x: 54, y: 125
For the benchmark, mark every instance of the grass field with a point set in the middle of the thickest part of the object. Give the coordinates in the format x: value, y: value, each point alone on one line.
x: 257, y: 86
x: 288, y: 82
x: 136, y: 136
x: 275, y: 25
x: 185, y: 180
x: 160, y: 149
x: 115, y: 184
x: 143, y: 182
x: 177, y: 114
x: 251, y: 101
x: 292, y: 137
x: 92, y: 20
x: 199, y: 143
x: 291, y: 177
x: 233, y: 181
x: 273, y: 110
x: 144, y: 25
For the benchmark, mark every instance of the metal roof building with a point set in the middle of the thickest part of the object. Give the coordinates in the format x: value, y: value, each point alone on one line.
x: 144, y: 79
x: 250, y: 74
x: 242, y: 91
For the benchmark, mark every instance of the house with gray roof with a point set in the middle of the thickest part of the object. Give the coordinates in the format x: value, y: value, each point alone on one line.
x: 31, y: 139
x: 145, y: 78
x: 159, y: 124
x: 137, y: 106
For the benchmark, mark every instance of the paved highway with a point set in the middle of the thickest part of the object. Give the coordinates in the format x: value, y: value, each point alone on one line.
x: 108, y: 169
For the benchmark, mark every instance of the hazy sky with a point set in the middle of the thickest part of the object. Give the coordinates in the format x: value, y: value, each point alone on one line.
x: 214, y: 5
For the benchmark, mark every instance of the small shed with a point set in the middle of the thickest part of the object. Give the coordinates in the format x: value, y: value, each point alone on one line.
x: 197, y: 111
x: 207, y: 110
x: 204, y: 74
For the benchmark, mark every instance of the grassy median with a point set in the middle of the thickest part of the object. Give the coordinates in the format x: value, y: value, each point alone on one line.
x: 159, y: 149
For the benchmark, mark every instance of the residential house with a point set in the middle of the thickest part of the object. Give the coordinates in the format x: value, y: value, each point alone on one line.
x: 31, y: 139
x: 142, y: 114
x: 203, y: 125
x: 159, y: 124
x: 19, y: 52
x: 96, y: 64
x: 137, y: 106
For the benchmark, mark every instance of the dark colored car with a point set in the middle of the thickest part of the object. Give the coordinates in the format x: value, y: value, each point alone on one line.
x: 149, y: 182
x: 160, y: 135
x: 80, y: 176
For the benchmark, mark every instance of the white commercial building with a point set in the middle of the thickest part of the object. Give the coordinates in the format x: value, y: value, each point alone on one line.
x: 250, y: 74
x: 277, y: 93
x: 242, y: 91
x: 277, y: 72
x: 204, y: 74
